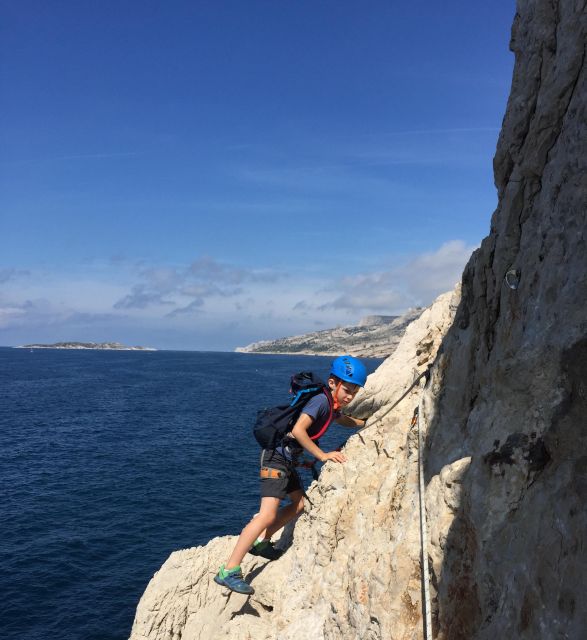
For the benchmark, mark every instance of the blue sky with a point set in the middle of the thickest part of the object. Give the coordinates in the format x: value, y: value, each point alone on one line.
x: 199, y: 175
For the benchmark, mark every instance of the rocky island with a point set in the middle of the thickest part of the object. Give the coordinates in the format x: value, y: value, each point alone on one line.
x: 100, y: 346
x: 467, y: 522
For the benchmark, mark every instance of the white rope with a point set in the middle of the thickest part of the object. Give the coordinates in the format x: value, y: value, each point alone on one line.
x: 423, y: 531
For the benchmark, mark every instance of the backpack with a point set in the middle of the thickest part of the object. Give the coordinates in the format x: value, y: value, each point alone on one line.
x: 274, y: 423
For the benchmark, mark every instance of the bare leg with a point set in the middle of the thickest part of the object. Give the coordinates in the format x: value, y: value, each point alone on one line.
x: 264, y: 519
x: 288, y: 513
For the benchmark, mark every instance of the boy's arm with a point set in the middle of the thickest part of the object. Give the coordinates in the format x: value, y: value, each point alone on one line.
x: 349, y: 421
x: 300, y: 433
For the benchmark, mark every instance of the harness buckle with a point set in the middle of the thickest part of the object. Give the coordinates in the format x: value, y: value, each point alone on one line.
x: 268, y: 472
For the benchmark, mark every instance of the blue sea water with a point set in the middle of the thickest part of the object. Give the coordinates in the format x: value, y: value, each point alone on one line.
x: 111, y: 460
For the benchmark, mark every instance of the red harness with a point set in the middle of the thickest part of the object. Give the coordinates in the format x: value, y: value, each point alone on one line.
x: 332, y: 407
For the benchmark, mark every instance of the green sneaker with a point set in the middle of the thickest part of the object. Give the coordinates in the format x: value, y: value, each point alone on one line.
x: 265, y: 549
x: 233, y: 580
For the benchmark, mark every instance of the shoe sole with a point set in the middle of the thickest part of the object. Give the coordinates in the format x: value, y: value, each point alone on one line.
x: 259, y: 554
x: 274, y: 554
x: 221, y: 582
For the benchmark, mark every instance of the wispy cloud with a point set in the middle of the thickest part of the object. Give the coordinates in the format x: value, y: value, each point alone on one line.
x: 97, y: 156
x: 207, y: 269
x: 41, y: 313
x: 74, y: 156
x: 437, y: 132
x: 6, y: 275
x: 190, y: 286
x: 193, y: 307
x: 141, y: 297
x: 368, y: 162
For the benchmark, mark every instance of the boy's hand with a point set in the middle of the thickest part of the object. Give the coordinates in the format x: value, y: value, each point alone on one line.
x: 335, y: 456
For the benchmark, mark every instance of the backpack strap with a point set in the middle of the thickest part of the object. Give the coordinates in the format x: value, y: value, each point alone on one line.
x: 329, y: 420
x: 301, y: 393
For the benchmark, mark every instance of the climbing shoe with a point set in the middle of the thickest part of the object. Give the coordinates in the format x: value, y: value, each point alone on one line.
x: 233, y: 580
x: 265, y: 549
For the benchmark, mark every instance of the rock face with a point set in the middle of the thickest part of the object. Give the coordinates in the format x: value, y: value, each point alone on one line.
x: 373, y: 337
x: 506, y: 455
x: 503, y: 414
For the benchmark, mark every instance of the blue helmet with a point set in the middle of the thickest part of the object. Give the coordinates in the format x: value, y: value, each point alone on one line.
x: 349, y: 369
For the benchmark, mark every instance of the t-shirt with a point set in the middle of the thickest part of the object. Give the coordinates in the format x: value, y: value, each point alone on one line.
x: 317, y: 408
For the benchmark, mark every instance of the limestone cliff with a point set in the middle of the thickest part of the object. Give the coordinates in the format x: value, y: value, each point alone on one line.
x: 504, y: 412
x: 506, y: 454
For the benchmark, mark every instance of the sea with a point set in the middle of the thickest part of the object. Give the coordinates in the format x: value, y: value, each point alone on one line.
x: 112, y: 460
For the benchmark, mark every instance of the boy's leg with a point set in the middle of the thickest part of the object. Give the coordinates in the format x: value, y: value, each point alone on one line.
x: 285, y: 514
x: 263, y: 520
x: 274, y: 487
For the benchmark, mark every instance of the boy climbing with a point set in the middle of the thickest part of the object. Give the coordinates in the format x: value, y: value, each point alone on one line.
x: 279, y: 477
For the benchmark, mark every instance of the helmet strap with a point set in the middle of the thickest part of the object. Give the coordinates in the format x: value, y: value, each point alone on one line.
x: 336, y: 403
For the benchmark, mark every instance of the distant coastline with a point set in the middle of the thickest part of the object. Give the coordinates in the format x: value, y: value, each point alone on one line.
x: 375, y: 336
x: 97, y: 346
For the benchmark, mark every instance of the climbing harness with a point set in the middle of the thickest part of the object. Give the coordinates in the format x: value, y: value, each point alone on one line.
x: 311, y: 466
x: 269, y: 472
x: 276, y: 474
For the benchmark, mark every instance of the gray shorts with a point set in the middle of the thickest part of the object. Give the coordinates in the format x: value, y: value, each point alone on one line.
x: 278, y: 478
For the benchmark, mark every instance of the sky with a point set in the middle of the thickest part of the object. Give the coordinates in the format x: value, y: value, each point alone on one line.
x: 200, y: 175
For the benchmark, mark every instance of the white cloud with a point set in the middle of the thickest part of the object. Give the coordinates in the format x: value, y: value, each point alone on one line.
x: 416, y: 282
x: 11, y: 313
x: 430, y: 274
x: 367, y: 297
